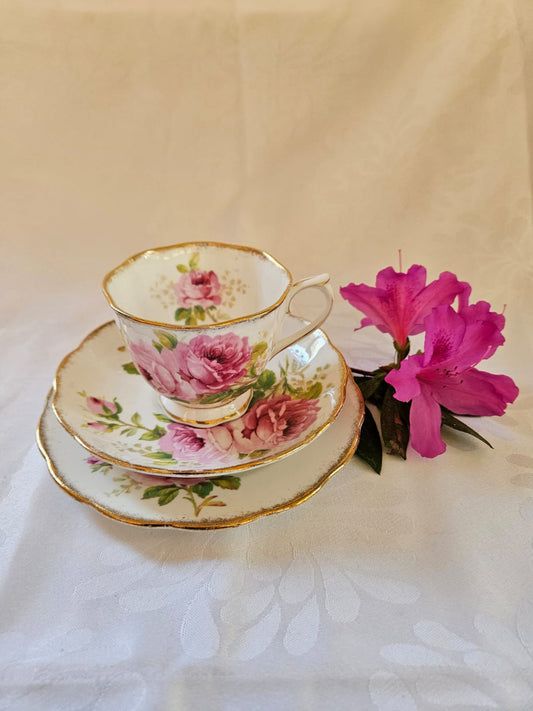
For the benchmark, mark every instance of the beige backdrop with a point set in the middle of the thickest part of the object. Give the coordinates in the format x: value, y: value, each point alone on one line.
x: 329, y: 133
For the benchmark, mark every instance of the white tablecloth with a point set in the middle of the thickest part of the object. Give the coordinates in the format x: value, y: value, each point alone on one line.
x: 330, y: 134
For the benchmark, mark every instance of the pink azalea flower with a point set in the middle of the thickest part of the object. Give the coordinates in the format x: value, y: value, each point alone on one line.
x: 197, y: 288
x: 267, y: 424
x: 161, y: 370
x: 211, y: 364
x: 400, y: 302
x: 186, y: 443
x: 445, y: 374
x: 101, y: 407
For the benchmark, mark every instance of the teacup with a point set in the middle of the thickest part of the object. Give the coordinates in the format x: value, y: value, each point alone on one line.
x: 202, y: 320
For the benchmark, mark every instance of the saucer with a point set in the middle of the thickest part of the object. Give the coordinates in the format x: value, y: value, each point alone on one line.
x: 220, y: 502
x: 110, y: 410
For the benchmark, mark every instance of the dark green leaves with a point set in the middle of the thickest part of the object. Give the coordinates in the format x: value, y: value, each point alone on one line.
x: 227, y: 482
x: 168, y: 492
x: 450, y: 420
x: 181, y: 314
x: 369, y: 449
x: 394, y: 424
x: 191, y: 316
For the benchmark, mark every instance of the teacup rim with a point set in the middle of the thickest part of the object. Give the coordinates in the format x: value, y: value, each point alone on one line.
x: 203, y: 243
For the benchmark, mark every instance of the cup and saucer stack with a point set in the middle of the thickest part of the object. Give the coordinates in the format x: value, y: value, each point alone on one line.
x: 206, y: 403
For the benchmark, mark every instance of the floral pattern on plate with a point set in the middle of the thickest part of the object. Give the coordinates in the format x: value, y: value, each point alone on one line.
x: 282, y: 409
x: 198, y: 492
x: 135, y: 498
x: 114, y: 414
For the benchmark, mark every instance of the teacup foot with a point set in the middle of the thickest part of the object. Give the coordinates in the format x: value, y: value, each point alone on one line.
x: 204, y: 417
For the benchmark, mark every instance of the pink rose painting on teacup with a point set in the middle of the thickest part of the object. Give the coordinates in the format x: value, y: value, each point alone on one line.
x: 161, y: 370
x: 197, y: 288
x: 205, y: 364
x: 212, y: 364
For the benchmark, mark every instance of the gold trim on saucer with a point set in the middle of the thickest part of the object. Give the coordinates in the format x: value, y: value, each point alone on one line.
x: 211, y: 326
x: 190, y: 473
x: 300, y: 498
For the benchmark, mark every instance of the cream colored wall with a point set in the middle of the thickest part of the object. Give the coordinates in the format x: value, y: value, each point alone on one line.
x: 328, y: 133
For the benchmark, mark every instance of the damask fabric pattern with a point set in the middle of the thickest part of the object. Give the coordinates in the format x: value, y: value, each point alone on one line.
x: 330, y: 134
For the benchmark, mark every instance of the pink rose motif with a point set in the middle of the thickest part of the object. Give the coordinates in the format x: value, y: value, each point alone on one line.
x: 211, y: 364
x: 269, y: 423
x: 101, y: 407
x: 445, y: 374
x: 98, y: 426
x: 161, y: 371
x: 95, y: 460
x: 149, y: 480
x: 197, y: 288
x: 186, y: 443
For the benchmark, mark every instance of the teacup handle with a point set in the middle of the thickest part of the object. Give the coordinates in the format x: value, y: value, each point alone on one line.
x: 317, y: 282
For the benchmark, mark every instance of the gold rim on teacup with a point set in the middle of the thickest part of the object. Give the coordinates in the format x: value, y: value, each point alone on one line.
x: 140, y: 255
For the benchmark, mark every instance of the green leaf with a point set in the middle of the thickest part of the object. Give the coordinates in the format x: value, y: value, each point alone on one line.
x: 449, y: 419
x: 211, y: 398
x: 200, y: 313
x: 314, y: 391
x: 182, y: 268
x: 227, y: 482
x: 394, y: 424
x: 154, y: 434
x: 130, y: 368
x: 181, y: 314
x: 167, y: 340
x: 154, y: 492
x: 369, y: 386
x: 162, y: 418
x: 136, y: 418
x: 369, y: 448
x: 157, y: 346
x: 202, y: 489
x: 129, y: 431
x: 194, y: 261
x: 161, y: 456
x: 168, y: 496
x: 257, y: 453
x: 191, y: 321
x: 259, y: 349
x: 111, y: 426
x: 265, y: 381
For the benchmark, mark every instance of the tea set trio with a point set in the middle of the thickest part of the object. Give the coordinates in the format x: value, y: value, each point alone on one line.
x: 206, y: 403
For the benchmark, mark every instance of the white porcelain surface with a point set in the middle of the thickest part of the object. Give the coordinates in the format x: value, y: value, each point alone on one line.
x: 227, y: 500
x: 113, y: 414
